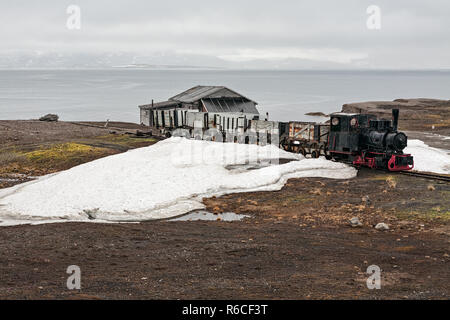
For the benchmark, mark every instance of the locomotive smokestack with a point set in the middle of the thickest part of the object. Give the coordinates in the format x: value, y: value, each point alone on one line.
x: 395, y: 119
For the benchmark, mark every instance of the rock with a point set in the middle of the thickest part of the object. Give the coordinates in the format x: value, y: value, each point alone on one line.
x: 49, y: 117
x: 382, y: 226
x: 354, y: 222
x: 431, y: 187
x: 366, y: 200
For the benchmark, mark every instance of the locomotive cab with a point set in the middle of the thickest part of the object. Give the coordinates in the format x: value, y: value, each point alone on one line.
x: 345, y: 133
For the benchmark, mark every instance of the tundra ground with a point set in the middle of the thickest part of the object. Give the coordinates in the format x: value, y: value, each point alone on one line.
x: 297, y: 243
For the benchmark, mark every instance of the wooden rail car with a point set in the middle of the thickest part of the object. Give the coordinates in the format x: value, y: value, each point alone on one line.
x: 306, y: 138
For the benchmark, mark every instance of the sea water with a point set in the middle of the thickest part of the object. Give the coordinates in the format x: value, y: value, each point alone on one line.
x: 286, y: 95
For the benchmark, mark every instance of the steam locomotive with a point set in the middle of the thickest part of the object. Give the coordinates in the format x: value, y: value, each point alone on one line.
x: 365, y: 141
x: 358, y: 139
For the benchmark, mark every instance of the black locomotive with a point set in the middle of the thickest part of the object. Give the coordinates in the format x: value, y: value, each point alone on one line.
x: 363, y: 140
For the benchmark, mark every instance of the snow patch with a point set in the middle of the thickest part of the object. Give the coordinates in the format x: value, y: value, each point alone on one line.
x: 161, y: 181
x: 427, y: 158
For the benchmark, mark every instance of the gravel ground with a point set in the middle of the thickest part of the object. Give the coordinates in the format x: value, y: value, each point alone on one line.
x: 297, y: 244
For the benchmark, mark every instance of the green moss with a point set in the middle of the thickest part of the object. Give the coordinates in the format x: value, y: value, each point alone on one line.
x: 124, y: 139
x: 62, y: 151
x: 435, y: 213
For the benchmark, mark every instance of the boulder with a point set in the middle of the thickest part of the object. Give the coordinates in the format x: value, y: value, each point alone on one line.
x: 382, y: 226
x: 354, y: 222
x: 49, y: 117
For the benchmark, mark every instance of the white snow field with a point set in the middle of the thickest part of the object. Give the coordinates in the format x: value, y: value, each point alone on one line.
x: 427, y: 158
x: 167, y: 179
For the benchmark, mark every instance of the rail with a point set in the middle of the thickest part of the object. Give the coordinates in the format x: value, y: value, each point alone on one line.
x: 431, y: 176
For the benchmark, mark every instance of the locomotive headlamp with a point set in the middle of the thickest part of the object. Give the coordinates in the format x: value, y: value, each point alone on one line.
x: 335, y: 121
x: 396, y: 141
x: 400, y: 141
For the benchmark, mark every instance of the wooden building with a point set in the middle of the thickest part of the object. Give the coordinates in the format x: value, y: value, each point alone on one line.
x: 209, y: 99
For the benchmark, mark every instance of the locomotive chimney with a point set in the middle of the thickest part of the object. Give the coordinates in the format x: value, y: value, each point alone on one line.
x: 395, y: 119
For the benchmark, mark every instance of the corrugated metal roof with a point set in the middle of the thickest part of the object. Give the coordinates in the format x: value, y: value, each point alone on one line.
x: 230, y: 105
x: 195, y: 93
x: 200, y: 92
x: 163, y: 104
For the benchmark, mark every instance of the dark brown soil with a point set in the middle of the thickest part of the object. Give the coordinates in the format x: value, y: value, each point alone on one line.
x: 296, y: 245
x: 29, y: 132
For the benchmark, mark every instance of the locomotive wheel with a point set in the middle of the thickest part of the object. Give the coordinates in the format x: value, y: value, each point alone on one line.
x: 302, y: 151
x: 328, y: 157
x: 315, y: 154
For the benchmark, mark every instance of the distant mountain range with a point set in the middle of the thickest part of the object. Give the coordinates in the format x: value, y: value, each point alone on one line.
x: 38, y: 60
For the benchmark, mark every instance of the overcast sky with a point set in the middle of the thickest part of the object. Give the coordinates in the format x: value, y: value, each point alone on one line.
x: 414, y: 34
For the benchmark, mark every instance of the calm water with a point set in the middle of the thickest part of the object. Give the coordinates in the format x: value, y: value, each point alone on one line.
x: 286, y: 95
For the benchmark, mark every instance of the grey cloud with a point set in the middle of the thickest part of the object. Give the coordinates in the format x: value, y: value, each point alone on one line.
x: 217, y: 29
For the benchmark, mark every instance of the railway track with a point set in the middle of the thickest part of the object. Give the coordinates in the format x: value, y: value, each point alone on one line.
x: 430, y: 176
